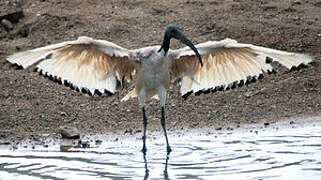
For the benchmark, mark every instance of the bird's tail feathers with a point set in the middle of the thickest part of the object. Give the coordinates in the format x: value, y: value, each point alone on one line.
x: 131, y: 94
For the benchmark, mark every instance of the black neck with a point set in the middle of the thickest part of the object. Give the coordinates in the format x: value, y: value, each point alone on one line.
x: 165, y: 44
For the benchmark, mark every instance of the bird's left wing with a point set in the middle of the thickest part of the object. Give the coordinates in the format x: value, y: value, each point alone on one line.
x: 86, y: 64
x: 227, y: 63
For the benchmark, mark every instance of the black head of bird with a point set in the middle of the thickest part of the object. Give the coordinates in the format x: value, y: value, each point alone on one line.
x: 173, y: 31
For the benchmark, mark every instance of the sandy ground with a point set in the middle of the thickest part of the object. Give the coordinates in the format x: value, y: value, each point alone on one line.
x: 32, y: 106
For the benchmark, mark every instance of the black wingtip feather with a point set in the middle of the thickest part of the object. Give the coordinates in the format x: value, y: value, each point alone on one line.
x: 272, y: 72
x: 48, y: 56
x: 98, y: 92
x: 234, y: 85
x: 16, y: 66
x: 50, y: 77
x: 253, y: 79
x: 86, y: 91
x: 187, y: 94
x: 220, y: 88
x: 300, y: 66
x: 241, y: 83
x: 268, y: 60
x: 207, y: 91
x: 198, y: 93
x: 71, y: 85
x: 108, y: 93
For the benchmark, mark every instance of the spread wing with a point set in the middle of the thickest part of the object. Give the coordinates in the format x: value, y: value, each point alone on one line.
x: 86, y: 64
x: 227, y: 63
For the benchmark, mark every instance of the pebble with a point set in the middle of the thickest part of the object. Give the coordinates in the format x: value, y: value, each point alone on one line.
x: 63, y: 114
x: 218, y: 129
x: 296, y: 2
x: 128, y: 131
x: 229, y: 129
x: 84, y: 144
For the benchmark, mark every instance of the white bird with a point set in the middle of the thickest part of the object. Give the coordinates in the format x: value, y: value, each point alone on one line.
x: 98, y: 66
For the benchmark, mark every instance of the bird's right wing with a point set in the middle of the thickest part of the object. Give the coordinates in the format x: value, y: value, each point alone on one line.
x: 86, y: 64
x: 226, y: 64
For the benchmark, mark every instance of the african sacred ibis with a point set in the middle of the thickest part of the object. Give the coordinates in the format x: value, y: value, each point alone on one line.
x: 97, y: 66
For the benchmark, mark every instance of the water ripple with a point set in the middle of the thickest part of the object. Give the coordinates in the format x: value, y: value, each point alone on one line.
x: 283, y: 154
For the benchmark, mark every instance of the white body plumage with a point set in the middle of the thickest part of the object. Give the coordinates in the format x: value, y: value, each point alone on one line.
x: 152, y: 74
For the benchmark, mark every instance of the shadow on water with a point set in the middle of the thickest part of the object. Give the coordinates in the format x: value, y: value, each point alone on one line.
x: 289, y: 153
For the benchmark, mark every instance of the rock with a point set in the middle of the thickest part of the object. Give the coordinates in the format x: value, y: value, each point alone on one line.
x: 5, y: 143
x: 84, y: 144
x: 7, y: 24
x: 68, y: 132
x: 296, y: 2
x: 63, y: 113
x: 128, y: 131
x: 219, y: 128
x: 229, y: 129
x: 67, y: 144
x: 98, y: 142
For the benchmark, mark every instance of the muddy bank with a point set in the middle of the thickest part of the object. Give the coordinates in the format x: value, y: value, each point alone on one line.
x: 33, y: 106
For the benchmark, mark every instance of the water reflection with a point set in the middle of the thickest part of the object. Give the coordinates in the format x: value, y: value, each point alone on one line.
x: 292, y: 153
x: 147, y: 170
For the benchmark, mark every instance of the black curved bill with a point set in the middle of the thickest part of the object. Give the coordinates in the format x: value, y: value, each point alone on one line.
x: 185, y: 40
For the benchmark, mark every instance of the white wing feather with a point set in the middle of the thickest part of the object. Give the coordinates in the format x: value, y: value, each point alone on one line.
x: 83, y: 63
x: 226, y: 62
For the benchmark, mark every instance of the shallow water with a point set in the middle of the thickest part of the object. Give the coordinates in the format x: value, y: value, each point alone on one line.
x: 285, y: 153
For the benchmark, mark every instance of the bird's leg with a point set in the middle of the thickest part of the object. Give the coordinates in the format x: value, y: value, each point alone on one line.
x: 144, y: 149
x: 162, y: 98
x: 169, y: 149
x: 141, y: 98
